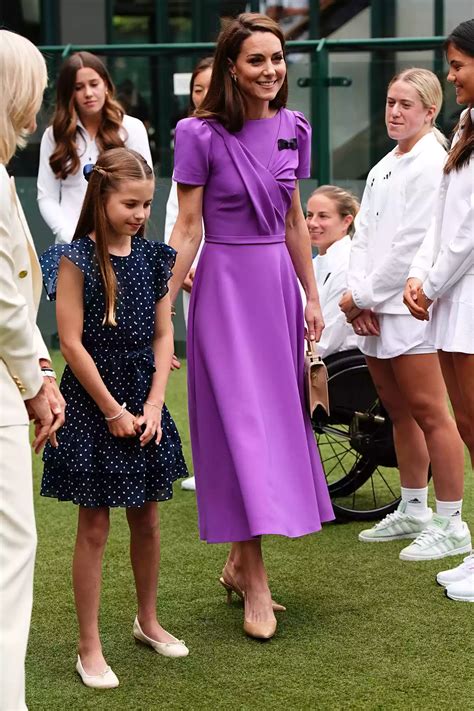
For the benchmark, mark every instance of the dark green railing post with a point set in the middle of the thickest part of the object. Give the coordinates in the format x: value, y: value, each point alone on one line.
x: 49, y: 21
x: 163, y: 66
x: 438, y: 64
x: 320, y: 113
x: 382, y: 68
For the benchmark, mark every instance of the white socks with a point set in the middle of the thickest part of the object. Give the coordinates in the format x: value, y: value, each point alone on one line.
x: 416, y: 501
x: 451, y: 510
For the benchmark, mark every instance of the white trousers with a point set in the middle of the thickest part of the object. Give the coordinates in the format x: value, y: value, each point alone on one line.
x: 17, y: 559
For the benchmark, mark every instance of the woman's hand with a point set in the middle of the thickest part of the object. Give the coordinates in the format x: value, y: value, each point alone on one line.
x: 188, y: 281
x: 124, y: 426
x: 415, y: 300
x: 175, y: 363
x: 366, y: 324
x: 348, y: 307
x: 151, y: 418
x: 57, y: 405
x: 314, y: 321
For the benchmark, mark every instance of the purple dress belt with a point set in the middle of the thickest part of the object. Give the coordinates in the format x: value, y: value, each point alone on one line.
x: 244, y: 239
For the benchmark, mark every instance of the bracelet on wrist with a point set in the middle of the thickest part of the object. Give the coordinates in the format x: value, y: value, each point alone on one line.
x: 48, y: 372
x: 152, y: 404
x: 119, y: 415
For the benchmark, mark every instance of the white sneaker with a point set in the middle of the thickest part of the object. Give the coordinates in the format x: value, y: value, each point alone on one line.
x: 463, y: 590
x: 446, y: 577
x: 189, y: 484
x: 438, y: 540
x: 396, y: 526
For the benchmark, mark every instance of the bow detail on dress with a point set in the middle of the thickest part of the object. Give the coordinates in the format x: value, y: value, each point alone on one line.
x: 283, y: 144
x: 142, y: 360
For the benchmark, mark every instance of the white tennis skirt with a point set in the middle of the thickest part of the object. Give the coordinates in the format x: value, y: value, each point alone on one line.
x: 451, y: 325
x: 400, y: 334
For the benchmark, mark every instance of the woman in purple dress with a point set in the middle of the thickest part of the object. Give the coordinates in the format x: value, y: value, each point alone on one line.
x: 237, y: 162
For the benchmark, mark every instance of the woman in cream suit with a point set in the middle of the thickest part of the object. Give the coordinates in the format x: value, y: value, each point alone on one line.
x: 27, y: 384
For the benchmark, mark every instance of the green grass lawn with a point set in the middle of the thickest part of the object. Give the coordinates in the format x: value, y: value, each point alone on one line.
x: 363, y: 630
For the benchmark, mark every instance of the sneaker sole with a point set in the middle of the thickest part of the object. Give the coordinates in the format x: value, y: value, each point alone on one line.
x: 457, y: 598
x: 382, y: 539
x: 437, y: 556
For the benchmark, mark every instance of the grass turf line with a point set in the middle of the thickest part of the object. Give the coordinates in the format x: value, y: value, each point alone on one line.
x: 363, y: 630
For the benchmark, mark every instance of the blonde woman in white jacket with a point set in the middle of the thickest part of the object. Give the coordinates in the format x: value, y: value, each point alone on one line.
x: 395, y: 214
x: 441, y: 283
x: 330, y: 214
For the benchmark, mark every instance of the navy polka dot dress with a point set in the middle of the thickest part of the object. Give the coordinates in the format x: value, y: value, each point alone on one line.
x: 91, y: 467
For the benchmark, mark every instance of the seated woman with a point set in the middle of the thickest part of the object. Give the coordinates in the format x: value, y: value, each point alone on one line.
x: 330, y: 217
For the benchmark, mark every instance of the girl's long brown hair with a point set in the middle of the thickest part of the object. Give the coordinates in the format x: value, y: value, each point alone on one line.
x: 224, y: 100
x: 462, y: 37
x: 64, y: 160
x: 113, y: 167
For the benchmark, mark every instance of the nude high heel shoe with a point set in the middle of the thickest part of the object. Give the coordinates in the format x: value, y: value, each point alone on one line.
x: 228, y: 582
x: 259, y: 630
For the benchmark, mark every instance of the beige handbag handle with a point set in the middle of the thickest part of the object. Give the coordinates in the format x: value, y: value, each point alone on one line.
x: 311, y: 347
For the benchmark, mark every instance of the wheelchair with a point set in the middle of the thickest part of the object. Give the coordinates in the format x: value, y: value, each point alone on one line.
x: 356, y: 442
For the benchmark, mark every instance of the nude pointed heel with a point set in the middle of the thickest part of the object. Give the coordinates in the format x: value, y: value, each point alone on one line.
x: 259, y: 630
x: 227, y: 582
x: 229, y: 589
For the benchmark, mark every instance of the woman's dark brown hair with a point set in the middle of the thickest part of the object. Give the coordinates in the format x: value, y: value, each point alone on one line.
x: 224, y: 100
x: 462, y: 38
x: 65, y: 161
x: 113, y: 167
x: 201, y: 66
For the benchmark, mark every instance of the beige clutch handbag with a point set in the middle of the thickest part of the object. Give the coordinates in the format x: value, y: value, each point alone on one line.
x: 316, y: 380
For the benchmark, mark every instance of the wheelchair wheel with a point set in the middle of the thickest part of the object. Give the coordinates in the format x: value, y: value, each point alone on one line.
x: 356, y: 443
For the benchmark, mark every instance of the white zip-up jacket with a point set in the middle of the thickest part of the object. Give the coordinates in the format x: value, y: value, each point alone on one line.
x: 395, y: 214
x: 447, y: 253
x: 60, y: 201
x: 330, y: 270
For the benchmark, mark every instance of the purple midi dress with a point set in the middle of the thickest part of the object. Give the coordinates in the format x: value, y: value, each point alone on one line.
x: 255, y: 458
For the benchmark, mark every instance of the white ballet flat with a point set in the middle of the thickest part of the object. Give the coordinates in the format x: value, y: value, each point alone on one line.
x: 105, y: 680
x: 167, y: 649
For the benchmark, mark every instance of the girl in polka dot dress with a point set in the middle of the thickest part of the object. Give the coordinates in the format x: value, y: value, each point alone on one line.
x: 119, y: 446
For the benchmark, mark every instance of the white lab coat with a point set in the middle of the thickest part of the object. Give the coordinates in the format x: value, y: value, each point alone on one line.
x: 445, y: 262
x: 330, y: 271
x: 395, y: 214
x: 60, y: 201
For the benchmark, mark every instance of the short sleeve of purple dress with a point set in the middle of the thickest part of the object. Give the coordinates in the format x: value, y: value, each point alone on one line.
x: 256, y: 462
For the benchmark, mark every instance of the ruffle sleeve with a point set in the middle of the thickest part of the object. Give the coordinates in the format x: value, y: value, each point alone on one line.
x: 163, y: 257
x: 192, y: 150
x: 79, y: 253
x: 303, y: 134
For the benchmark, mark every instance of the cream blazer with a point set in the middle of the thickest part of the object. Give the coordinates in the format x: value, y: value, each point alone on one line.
x: 21, y: 344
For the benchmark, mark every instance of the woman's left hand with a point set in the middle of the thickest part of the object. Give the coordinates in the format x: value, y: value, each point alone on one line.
x: 151, y: 418
x: 348, y: 307
x: 314, y: 321
x: 57, y: 405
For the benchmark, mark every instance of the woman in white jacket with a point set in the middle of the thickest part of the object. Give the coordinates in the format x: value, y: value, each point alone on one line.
x: 395, y: 214
x: 198, y: 86
x: 87, y: 120
x: 27, y: 383
x: 330, y: 215
x: 441, y: 283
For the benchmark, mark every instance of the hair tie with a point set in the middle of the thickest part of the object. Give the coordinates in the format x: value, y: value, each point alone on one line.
x: 87, y: 170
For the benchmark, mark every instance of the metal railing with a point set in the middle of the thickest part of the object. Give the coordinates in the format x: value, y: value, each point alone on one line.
x: 319, y: 80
